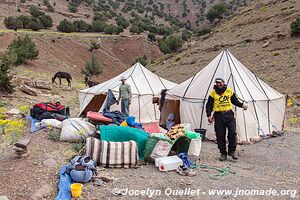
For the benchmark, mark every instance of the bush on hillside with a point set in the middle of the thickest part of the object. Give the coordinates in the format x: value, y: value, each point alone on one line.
x: 46, y: 21
x: 13, y: 23
x: 72, y: 8
x: 92, y: 67
x: 203, y: 31
x: 121, y: 21
x: 135, y: 29
x: 22, y: 49
x: 216, y: 11
x: 35, y: 24
x: 151, y: 37
x: 66, y: 26
x: 81, y: 26
x: 186, y: 35
x: 25, y: 20
x: 295, y: 27
x: 100, y: 17
x: 142, y: 60
x: 5, y: 78
x: 35, y: 11
x: 94, y: 46
x: 170, y: 44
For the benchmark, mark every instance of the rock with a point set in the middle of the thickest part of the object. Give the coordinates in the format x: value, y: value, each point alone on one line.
x: 266, y: 44
x: 41, y: 193
x: 255, y: 140
x: 23, y: 143
x: 41, y: 85
x: 3, y: 198
x: 23, y: 156
x: 50, y: 163
x: 18, y: 149
x: 13, y: 111
x: 281, y: 35
x: 28, y: 90
x: 20, y: 153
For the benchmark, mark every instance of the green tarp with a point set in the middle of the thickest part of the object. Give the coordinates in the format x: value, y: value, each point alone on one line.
x: 123, y: 134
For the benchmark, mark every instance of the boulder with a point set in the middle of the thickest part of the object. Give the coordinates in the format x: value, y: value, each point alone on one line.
x: 28, y: 90
x: 23, y: 143
x: 13, y: 111
x: 266, y: 44
x: 3, y: 198
x: 41, y: 193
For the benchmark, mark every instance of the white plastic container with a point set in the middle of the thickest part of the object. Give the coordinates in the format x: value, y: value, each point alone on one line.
x: 187, y: 127
x: 168, y: 163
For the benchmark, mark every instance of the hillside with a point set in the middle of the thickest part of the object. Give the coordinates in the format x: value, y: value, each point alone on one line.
x: 174, y: 14
x: 259, y: 36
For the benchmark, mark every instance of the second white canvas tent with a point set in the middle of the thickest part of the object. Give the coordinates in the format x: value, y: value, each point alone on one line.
x: 144, y: 85
x: 266, y: 105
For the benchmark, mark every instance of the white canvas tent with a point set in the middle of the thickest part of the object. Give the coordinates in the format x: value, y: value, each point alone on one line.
x: 265, y: 105
x: 144, y: 85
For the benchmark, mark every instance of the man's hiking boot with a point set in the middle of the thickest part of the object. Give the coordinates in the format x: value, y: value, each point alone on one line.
x: 223, y: 157
x: 233, y: 155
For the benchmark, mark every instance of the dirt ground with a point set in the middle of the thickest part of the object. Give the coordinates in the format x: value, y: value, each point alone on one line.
x: 261, y: 167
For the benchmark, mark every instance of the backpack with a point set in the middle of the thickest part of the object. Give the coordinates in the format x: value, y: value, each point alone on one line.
x: 82, y: 168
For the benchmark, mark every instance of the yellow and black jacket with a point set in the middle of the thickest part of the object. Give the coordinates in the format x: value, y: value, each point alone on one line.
x: 220, y: 102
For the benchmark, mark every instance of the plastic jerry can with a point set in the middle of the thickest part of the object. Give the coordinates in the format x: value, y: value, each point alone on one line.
x: 168, y: 163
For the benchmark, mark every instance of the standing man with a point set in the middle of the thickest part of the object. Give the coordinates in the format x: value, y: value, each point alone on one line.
x: 125, y: 97
x: 220, y: 101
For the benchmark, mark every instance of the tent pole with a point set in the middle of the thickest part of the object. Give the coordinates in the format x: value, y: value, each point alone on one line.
x: 201, y: 118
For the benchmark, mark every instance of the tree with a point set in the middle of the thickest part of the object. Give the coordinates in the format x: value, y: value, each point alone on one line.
x: 203, y: 31
x: 94, y: 46
x: 72, y: 8
x: 35, y: 11
x: 170, y: 44
x: 13, y: 23
x: 92, y: 68
x: 151, y: 37
x: 142, y: 60
x: 66, y: 26
x: 35, y: 24
x: 25, y: 20
x: 121, y: 21
x: 46, y: 21
x: 22, y: 49
x: 216, y: 11
x: 80, y: 25
x: 295, y: 27
x: 5, y: 78
x: 186, y: 35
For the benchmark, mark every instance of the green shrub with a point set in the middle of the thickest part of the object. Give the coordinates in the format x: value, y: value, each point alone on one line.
x: 121, y: 21
x: 22, y: 49
x: 142, y: 60
x: 216, y: 11
x: 94, y: 46
x: 5, y: 78
x: 136, y: 29
x: 72, y: 8
x: 170, y: 44
x: 80, y: 25
x: 35, y: 24
x: 77, y: 146
x: 25, y: 20
x: 203, y: 31
x: 66, y: 26
x: 35, y: 11
x: 98, y: 26
x: 100, y: 17
x: 13, y: 23
x: 92, y: 68
x: 54, y: 134
x: 50, y: 8
x: 151, y: 37
x: 186, y: 35
x: 295, y: 27
x: 46, y: 21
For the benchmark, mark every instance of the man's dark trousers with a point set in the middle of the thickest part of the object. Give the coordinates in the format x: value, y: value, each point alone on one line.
x: 225, y: 120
